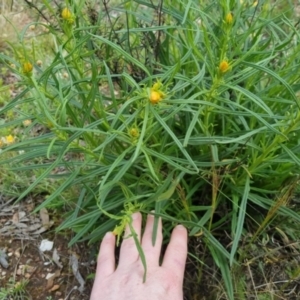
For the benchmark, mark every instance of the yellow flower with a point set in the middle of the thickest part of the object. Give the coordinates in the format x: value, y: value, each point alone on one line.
x: 67, y: 15
x: 229, y: 19
x: 155, y: 97
x: 156, y: 94
x: 27, y: 68
x: 224, y: 66
x: 133, y: 132
x: 9, y: 139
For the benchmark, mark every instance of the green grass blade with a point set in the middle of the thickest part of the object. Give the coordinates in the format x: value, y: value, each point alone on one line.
x: 240, y: 221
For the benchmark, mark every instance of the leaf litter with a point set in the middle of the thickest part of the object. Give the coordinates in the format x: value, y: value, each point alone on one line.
x: 30, y: 249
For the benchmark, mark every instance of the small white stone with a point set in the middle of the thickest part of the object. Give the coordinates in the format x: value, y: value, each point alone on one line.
x: 46, y: 245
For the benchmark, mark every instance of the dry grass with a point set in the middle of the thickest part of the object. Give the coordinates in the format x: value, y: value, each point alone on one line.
x: 12, y: 20
x: 9, y: 23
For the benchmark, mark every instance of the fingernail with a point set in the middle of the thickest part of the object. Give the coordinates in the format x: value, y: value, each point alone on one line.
x: 108, y: 235
x: 135, y: 216
x: 181, y: 227
x: 151, y: 215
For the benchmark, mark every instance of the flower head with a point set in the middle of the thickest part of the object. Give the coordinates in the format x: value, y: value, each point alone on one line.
x: 224, y: 66
x: 27, y: 68
x: 229, y: 18
x: 156, y: 93
x: 9, y: 139
x: 67, y: 15
x: 155, y: 97
x: 134, y: 132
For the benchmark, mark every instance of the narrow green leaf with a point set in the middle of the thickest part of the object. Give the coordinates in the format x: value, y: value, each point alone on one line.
x: 67, y: 183
x: 126, y: 55
x: 140, y: 250
x: 175, y: 139
x: 241, y: 218
x: 221, y: 262
x: 291, y: 154
x: 275, y: 75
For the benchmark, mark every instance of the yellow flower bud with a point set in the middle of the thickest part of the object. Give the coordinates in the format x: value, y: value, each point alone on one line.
x: 39, y: 63
x: 9, y: 139
x: 155, y: 97
x: 67, y: 15
x: 224, y: 66
x: 229, y: 19
x: 133, y: 132
x: 156, y: 93
x: 27, y: 68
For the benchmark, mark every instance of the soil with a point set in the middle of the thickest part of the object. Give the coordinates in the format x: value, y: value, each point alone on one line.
x: 47, y: 273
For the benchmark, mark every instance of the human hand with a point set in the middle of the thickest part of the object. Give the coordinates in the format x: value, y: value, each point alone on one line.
x: 126, y: 281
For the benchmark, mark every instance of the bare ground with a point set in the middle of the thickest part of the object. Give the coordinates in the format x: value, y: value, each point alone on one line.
x: 49, y: 273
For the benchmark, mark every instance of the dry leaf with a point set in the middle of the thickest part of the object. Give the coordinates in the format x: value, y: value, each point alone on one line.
x: 55, y: 288
x: 43, y: 229
x: 34, y: 227
x: 17, y: 253
x: 50, y: 279
x: 22, y: 214
x: 15, y: 218
x: 21, y: 225
x: 44, y: 215
x: 5, y: 228
x: 56, y: 258
x: 74, y: 264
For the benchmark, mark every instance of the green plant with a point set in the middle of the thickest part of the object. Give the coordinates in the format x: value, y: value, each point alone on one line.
x: 14, y: 289
x: 190, y: 109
